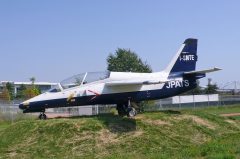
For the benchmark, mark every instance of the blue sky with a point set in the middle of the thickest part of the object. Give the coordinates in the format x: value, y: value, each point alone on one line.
x: 52, y: 40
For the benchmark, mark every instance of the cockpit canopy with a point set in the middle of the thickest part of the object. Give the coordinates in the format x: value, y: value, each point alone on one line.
x: 84, y: 78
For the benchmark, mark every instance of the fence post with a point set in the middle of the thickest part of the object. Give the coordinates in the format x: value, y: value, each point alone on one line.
x: 208, y: 99
x: 11, y: 113
x: 179, y: 102
x: 194, y: 106
x: 97, y: 109
x: 160, y: 102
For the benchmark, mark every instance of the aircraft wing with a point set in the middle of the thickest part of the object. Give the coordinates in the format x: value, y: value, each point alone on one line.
x: 134, y: 82
x: 202, y: 71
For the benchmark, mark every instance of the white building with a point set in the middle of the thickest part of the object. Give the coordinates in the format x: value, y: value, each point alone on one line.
x: 43, y: 86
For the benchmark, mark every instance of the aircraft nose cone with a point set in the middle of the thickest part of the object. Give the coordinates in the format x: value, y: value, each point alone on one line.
x: 21, y: 106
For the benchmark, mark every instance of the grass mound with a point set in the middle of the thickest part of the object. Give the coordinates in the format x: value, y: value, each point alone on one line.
x: 166, y: 134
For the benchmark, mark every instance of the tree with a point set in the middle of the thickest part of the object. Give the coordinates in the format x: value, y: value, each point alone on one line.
x: 33, y: 79
x: 211, y: 89
x: 10, y: 89
x: 20, y: 92
x: 196, y: 90
x: 31, y: 91
x: 5, y: 94
x: 125, y: 60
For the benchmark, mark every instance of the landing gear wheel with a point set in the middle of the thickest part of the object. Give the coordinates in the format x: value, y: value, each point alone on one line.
x: 131, y: 112
x: 42, y: 116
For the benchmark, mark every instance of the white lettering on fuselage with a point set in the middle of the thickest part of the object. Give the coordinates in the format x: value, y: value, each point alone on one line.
x: 187, y: 58
x: 178, y: 84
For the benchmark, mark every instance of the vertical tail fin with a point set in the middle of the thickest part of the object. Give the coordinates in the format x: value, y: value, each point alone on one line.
x: 185, y: 59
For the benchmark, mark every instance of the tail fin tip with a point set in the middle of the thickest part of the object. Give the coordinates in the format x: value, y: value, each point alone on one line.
x: 186, y: 57
x: 190, y: 40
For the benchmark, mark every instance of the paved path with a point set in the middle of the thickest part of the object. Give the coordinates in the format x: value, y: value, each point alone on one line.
x: 230, y: 114
x: 57, y: 115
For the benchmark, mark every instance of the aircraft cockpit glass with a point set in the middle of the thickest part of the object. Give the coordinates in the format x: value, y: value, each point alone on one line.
x: 73, y: 81
x: 55, y: 89
x: 96, y: 76
x: 84, y: 78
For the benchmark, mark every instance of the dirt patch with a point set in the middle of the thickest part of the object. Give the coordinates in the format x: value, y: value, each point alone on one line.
x: 230, y: 114
x: 78, y: 138
x: 197, y: 120
x: 139, y: 117
x: 199, y: 138
x: 79, y: 124
x: 57, y: 115
x: 157, y: 122
x: 12, y: 154
x: 136, y: 133
x: 106, y: 137
x: 203, y: 122
x: 232, y: 122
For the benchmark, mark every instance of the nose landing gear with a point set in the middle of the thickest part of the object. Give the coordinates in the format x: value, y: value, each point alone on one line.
x: 126, y: 109
x: 42, y: 116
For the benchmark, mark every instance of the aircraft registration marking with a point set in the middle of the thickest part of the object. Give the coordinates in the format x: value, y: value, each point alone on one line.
x: 178, y: 84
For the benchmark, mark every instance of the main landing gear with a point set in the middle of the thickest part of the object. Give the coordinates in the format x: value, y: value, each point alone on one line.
x: 126, y: 109
x: 42, y: 116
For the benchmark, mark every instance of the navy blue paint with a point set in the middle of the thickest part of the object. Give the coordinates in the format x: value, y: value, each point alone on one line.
x: 190, y: 48
x: 109, y: 98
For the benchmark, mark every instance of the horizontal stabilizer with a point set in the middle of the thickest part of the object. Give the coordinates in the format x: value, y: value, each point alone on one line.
x: 134, y: 82
x: 203, y: 71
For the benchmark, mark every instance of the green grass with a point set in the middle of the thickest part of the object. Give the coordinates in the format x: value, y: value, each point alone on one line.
x: 222, y: 109
x: 199, y: 133
x: 4, y: 125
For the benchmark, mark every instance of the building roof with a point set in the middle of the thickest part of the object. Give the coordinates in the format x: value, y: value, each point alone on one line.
x: 29, y: 83
x: 36, y: 83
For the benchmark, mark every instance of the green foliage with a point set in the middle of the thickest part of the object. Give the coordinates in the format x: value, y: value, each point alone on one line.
x: 5, y: 95
x: 211, y: 89
x: 32, y: 79
x: 166, y: 134
x: 124, y: 60
x: 196, y: 91
x: 20, y: 93
x: 31, y: 92
x: 10, y: 89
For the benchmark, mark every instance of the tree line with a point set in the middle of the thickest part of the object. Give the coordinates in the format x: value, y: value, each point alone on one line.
x: 24, y: 92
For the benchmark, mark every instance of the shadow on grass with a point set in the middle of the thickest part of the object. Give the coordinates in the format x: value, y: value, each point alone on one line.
x: 117, y: 124
x: 113, y: 123
x: 174, y: 112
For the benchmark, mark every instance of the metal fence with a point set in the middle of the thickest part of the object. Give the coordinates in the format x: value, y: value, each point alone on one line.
x: 11, y: 110
x: 189, y: 101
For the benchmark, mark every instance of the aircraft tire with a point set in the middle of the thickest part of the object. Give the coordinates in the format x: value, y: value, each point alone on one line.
x: 131, y: 112
x: 42, y: 116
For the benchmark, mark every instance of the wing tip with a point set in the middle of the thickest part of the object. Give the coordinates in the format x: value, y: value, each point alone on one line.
x: 217, y: 69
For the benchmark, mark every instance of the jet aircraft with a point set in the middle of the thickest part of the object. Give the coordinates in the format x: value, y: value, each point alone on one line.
x: 125, y: 89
